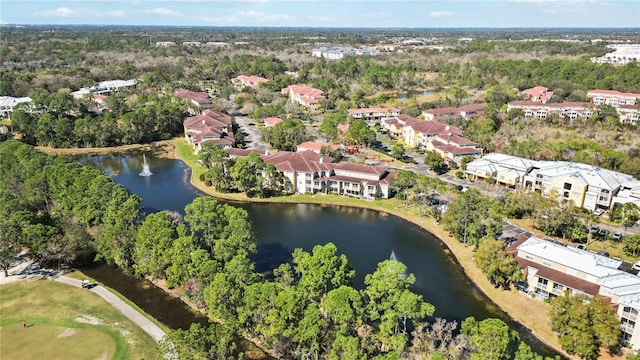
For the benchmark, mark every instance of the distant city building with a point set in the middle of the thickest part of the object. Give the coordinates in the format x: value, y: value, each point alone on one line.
x: 538, y: 94
x: 571, y: 110
x: 165, y: 44
x: 8, y: 103
x: 338, y: 52
x: 612, y: 97
x: 304, y: 95
x: 251, y: 81
x: 192, y: 43
x: 622, y: 54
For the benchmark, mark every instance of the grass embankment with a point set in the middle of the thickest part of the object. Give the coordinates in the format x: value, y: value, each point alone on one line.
x: 529, y: 312
x: 160, y: 148
x: 65, y: 322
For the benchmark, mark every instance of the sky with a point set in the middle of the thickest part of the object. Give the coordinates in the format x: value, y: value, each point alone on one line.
x: 327, y: 13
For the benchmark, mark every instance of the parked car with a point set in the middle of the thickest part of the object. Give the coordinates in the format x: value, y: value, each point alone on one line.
x: 636, y: 266
x: 603, y: 253
x: 603, y: 233
x: 598, y: 212
x: 594, y: 230
x: 617, y: 236
x: 582, y: 247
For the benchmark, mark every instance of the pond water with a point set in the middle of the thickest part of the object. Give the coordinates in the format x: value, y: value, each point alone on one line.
x: 366, y: 237
x: 406, y: 95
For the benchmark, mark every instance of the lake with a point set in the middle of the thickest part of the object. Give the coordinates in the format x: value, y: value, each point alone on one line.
x: 366, y: 237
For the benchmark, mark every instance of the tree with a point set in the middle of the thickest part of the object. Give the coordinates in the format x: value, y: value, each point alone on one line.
x: 389, y: 301
x: 247, y: 173
x: 468, y: 218
x: 436, y: 162
x: 584, y: 324
x: 321, y: 269
x: 500, y: 267
x: 154, y: 239
x: 439, y: 339
x: 215, y: 341
x: 359, y: 133
x: 286, y: 135
x: 398, y: 151
x: 9, y: 246
x: 632, y: 244
x: 403, y: 182
x: 490, y: 339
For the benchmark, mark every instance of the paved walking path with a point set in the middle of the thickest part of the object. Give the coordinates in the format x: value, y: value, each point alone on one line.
x: 147, y: 325
x: 25, y: 268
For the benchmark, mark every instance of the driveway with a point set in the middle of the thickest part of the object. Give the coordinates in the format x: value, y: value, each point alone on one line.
x: 252, y: 134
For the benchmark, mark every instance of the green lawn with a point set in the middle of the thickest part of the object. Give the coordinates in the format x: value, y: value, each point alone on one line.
x: 66, y: 322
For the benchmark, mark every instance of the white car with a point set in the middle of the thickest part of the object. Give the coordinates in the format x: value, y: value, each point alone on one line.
x: 598, y: 212
x: 636, y: 266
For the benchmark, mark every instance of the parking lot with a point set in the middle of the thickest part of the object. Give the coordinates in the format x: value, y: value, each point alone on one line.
x: 511, y: 230
x: 252, y: 135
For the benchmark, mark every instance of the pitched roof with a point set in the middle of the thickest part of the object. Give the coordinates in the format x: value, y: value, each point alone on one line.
x: 252, y: 79
x: 471, y: 108
x: 304, y: 90
x: 361, y: 168
x: 272, y: 121
x: 441, y: 111
x: 373, y: 110
x: 611, y: 93
x: 306, y: 161
x: 535, y: 91
x: 199, y: 98
x: 431, y: 128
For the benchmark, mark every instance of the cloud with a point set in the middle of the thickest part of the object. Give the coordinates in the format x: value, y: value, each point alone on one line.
x: 162, y: 12
x: 59, y: 12
x: 114, y: 13
x: 438, y: 14
x: 262, y: 17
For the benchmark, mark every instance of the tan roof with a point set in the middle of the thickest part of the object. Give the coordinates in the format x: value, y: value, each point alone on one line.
x: 252, y: 79
x: 442, y: 111
x: 200, y: 98
x: 472, y: 107
x: 272, y: 121
x: 306, y: 161
x: 305, y: 91
x: 612, y: 93
x: 373, y: 110
x: 316, y: 146
x: 429, y: 127
x: 535, y: 91
x: 361, y: 168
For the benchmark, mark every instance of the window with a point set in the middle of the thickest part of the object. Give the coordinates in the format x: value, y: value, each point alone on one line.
x: 567, y: 186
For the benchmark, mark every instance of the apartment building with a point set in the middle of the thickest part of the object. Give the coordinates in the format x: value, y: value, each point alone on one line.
x: 466, y: 111
x: 537, y: 94
x: 309, y: 172
x: 587, y: 186
x: 197, y: 98
x: 209, y: 127
x: 571, y: 110
x: 250, y: 81
x: 552, y: 269
x: 628, y: 114
x: 612, y: 97
x: 371, y: 115
x: 304, y: 95
x: 8, y: 103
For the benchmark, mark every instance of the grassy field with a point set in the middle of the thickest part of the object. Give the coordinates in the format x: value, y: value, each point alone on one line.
x: 65, y: 322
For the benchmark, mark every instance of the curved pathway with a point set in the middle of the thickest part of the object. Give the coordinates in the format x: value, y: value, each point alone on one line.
x: 25, y: 268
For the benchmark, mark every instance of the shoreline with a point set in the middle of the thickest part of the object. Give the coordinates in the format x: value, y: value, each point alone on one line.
x: 527, y: 315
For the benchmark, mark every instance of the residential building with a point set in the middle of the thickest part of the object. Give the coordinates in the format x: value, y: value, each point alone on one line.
x: 507, y: 170
x: 371, y: 115
x: 466, y: 111
x: 471, y: 110
x: 192, y: 43
x: 571, y: 110
x: 433, y: 114
x: 106, y: 88
x: 272, y: 121
x: 394, y: 125
x: 553, y: 269
x: 250, y: 81
x: 452, y: 148
x: 197, y: 98
x: 612, y: 97
x: 8, y: 103
x: 537, y: 94
x: 629, y: 114
x: 304, y: 95
x: 309, y: 172
x: 417, y: 134
x: 586, y: 186
x: 209, y: 127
